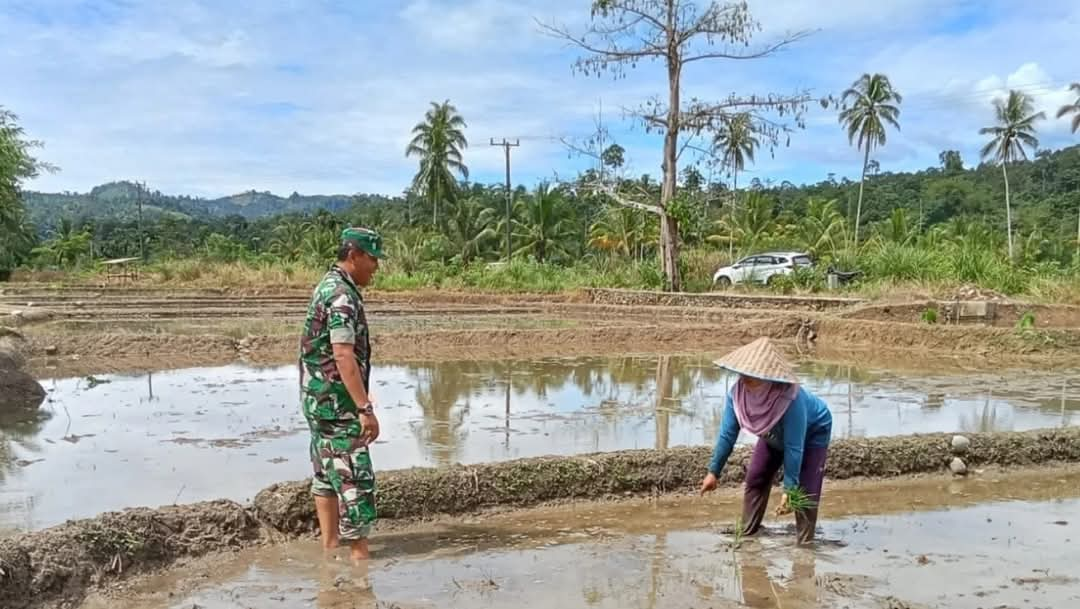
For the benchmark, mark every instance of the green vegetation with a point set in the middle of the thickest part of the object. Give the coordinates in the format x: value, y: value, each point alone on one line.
x: 16, y: 166
x: 438, y: 142
x: 799, y: 500
x: 934, y: 228
x: 1014, y: 130
x: 873, y: 102
x: 1026, y: 321
x: 930, y: 315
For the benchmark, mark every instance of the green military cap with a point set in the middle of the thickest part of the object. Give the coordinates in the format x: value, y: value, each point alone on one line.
x: 364, y: 239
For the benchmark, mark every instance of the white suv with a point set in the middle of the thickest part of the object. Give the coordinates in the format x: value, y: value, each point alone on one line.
x: 760, y: 268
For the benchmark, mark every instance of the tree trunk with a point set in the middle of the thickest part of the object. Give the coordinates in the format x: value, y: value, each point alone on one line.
x: 1008, y: 210
x: 862, y: 183
x: 669, y: 228
x: 731, y: 214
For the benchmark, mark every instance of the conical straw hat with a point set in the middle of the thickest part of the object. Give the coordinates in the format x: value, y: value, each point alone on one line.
x: 759, y: 359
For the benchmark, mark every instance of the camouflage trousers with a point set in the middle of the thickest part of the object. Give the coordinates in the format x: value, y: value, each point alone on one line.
x: 343, y: 470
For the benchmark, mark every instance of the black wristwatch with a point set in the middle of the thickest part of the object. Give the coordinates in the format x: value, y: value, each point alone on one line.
x: 367, y: 409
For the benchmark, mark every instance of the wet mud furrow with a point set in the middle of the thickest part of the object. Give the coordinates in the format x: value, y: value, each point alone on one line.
x: 56, y: 567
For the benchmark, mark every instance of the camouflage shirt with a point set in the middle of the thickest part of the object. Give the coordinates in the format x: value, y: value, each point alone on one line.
x: 335, y: 315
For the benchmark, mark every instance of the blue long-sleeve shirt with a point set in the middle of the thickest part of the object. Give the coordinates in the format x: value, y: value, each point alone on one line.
x: 807, y: 422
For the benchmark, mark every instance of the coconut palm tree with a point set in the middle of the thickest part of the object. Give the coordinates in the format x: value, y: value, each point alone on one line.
x: 1073, y: 108
x: 868, y: 105
x: 543, y: 225
x: 438, y: 141
x: 471, y: 224
x: 752, y: 226
x: 1014, y: 130
x: 736, y: 143
x: 821, y: 230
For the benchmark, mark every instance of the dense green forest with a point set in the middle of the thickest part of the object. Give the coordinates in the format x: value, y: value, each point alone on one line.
x: 563, y: 225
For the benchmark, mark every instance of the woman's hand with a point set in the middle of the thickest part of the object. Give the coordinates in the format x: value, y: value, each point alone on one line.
x: 708, y: 484
x: 784, y: 507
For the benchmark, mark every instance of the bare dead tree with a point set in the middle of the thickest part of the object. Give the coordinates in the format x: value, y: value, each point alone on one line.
x: 678, y: 33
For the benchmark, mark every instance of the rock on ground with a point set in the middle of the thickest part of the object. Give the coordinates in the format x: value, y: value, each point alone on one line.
x: 18, y: 390
x: 960, y: 445
x: 13, y: 350
x: 958, y: 467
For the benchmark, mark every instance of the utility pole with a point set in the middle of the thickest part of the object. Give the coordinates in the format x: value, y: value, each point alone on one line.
x: 506, y: 145
x: 138, y: 201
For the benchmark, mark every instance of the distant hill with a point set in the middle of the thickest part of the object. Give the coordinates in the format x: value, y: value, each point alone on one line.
x: 118, y: 201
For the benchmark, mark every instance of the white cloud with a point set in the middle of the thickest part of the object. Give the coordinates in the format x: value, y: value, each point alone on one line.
x: 211, y: 98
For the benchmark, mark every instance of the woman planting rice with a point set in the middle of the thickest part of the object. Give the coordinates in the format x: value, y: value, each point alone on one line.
x: 793, y: 427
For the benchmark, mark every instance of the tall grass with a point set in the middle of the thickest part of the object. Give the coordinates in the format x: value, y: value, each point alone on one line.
x: 889, y: 270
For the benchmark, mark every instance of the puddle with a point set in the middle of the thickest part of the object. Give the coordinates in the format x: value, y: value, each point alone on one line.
x: 119, y: 441
x: 1014, y: 552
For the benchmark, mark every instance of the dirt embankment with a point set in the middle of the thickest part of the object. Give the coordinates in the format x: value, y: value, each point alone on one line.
x: 56, y: 567
x: 999, y: 314
x: 719, y: 299
x: 495, y: 343
x: 103, y: 352
x: 423, y: 492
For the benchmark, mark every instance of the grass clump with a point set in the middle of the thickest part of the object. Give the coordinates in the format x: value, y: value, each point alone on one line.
x: 930, y: 315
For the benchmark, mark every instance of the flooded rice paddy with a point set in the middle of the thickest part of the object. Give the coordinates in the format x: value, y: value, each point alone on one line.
x: 110, y: 442
x: 897, y: 545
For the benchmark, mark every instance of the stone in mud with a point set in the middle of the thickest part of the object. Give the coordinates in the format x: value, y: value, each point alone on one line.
x: 13, y: 348
x: 960, y: 445
x: 958, y: 467
x: 18, y: 390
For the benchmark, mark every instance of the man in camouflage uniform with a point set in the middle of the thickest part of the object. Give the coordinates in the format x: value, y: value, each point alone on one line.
x: 335, y: 372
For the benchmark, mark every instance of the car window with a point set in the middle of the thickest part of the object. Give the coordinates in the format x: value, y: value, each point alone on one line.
x: 803, y: 260
x: 780, y: 260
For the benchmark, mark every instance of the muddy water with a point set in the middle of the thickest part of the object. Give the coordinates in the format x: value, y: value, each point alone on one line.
x: 886, y: 544
x: 195, y: 434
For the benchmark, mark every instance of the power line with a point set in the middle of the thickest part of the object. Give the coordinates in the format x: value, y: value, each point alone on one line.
x: 506, y: 146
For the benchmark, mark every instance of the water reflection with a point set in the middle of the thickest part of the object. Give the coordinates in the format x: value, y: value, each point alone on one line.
x: 206, y: 433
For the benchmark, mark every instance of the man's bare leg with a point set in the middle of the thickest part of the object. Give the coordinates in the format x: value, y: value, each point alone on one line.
x: 326, y: 508
x: 358, y: 551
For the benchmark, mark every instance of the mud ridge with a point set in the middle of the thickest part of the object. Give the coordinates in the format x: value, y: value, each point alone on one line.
x: 803, y: 335
x: 719, y: 299
x: 56, y: 567
x: 424, y: 492
x: 492, y: 343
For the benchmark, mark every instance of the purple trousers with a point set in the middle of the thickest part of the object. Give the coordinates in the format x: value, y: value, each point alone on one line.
x: 764, y: 463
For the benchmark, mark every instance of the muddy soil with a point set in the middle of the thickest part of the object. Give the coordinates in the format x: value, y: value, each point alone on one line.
x: 423, y: 492
x: 55, y: 567
x: 676, y: 552
x: 118, y: 324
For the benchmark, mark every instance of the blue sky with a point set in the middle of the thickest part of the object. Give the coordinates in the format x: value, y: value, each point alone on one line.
x: 318, y: 96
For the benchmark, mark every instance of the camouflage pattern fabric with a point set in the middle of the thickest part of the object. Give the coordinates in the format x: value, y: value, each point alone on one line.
x: 340, y: 459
